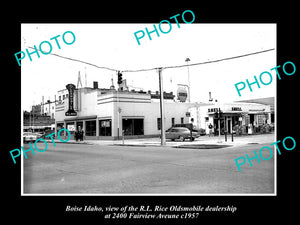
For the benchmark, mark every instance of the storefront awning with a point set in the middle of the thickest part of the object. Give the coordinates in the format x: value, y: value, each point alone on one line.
x: 230, y: 112
x: 236, y: 113
x: 81, y: 118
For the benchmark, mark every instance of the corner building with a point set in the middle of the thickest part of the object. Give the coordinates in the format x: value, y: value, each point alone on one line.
x: 106, y: 113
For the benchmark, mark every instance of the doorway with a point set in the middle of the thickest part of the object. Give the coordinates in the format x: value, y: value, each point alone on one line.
x: 251, y: 118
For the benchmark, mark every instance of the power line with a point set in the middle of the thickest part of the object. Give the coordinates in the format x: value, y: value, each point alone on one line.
x: 77, y: 60
x: 219, y: 60
x: 166, y: 67
x: 201, y: 63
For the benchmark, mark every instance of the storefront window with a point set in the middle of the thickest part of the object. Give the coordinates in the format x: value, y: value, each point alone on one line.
x: 59, y: 126
x: 261, y: 119
x: 71, y: 126
x: 133, y: 126
x: 90, y: 128
x: 105, y: 127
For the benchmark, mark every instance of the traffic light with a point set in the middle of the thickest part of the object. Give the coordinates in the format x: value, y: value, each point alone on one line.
x: 120, y: 77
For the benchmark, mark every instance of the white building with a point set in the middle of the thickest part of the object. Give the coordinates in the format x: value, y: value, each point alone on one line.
x: 237, y: 113
x: 106, y: 113
x: 48, y: 109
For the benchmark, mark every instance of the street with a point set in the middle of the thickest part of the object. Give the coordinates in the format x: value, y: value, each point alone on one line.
x: 93, y: 169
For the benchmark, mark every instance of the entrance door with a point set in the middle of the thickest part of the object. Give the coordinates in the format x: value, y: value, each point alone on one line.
x: 216, y: 126
x: 79, y: 124
x: 251, y: 118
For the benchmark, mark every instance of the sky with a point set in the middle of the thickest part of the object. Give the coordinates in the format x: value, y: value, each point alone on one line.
x: 114, y: 46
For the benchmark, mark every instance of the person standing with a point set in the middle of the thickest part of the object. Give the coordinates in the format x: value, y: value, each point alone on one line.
x: 76, y: 135
x: 210, y: 127
x: 250, y: 128
x: 80, y: 133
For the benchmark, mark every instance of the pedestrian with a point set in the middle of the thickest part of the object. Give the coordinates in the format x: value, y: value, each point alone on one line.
x: 254, y: 127
x: 76, y: 135
x: 80, y: 133
x: 250, y: 128
x: 210, y: 127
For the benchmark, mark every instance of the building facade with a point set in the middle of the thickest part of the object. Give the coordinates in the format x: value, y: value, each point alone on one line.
x: 107, y: 113
x: 233, y: 114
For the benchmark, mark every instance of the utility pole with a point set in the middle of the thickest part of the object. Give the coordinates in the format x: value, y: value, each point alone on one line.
x: 33, y: 117
x: 162, y: 112
x: 118, y: 109
x: 189, y: 83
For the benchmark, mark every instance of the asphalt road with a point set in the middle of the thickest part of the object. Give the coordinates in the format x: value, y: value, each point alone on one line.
x: 93, y: 169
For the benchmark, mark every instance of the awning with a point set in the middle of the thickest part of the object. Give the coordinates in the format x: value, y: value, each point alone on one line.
x: 37, y: 127
x: 235, y: 113
x: 81, y: 118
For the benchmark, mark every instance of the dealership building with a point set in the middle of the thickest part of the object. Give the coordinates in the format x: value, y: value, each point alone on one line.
x: 108, y: 113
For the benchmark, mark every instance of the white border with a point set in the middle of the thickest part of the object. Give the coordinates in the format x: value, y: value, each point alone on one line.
x: 167, y: 194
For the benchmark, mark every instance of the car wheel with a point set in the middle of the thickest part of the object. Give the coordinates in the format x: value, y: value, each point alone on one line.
x: 193, y: 139
x: 172, y: 139
x: 181, y: 138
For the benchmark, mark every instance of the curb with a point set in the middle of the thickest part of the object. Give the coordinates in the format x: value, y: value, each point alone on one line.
x: 68, y: 142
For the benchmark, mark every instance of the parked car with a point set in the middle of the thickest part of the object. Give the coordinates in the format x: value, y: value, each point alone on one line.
x: 180, y: 133
x: 200, y: 131
x: 29, y: 137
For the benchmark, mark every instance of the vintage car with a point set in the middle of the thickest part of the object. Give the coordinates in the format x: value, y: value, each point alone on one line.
x: 29, y: 137
x: 180, y: 133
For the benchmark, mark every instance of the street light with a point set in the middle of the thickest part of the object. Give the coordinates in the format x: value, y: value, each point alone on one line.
x: 189, y: 91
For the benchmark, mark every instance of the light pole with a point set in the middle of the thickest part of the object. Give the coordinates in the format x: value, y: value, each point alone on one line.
x: 189, y: 84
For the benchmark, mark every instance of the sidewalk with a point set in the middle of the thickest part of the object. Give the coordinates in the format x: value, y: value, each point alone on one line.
x: 216, y: 140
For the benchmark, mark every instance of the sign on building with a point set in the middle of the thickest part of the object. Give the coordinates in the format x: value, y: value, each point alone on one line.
x: 71, y: 127
x: 182, y: 93
x: 71, y: 111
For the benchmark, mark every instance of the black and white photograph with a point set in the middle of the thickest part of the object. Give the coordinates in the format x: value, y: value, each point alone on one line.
x: 134, y: 114
x: 103, y: 84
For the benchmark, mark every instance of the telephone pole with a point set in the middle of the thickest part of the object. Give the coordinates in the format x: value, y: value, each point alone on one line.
x: 189, y: 83
x: 162, y: 112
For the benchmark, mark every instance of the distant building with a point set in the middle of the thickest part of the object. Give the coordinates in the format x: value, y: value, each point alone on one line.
x: 236, y: 113
x: 48, y: 109
x: 40, y: 118
x: 35, y: 122
x: 265, y: 101
x: 36, y: 110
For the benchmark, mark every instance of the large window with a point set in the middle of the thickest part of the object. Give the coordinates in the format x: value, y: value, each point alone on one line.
x: 261, y: 119
x: 71, y: 126
x: 133, y: 126
x: 105, y: 127
x: 90, y: 128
